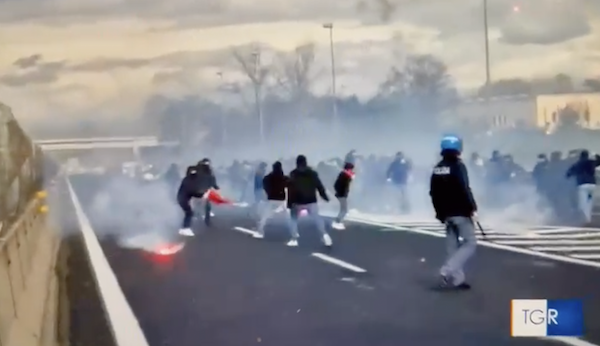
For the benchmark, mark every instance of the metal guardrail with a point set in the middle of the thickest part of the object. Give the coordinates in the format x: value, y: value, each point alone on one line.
x: 21, y: 168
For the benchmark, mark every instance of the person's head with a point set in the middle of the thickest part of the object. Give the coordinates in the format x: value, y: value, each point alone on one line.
x: 542, y: 157
x: 205, y: 161
x: 277, y: 167
x: 584, y: 155
x: 261, y: 167
x: 301, y: 161
x: 451, y: 146
x: 399, y: 155
x: 191, y: 171
x: 348, y: 166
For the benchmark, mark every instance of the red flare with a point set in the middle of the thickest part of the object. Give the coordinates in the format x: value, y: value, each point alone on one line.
x: 215, y: 197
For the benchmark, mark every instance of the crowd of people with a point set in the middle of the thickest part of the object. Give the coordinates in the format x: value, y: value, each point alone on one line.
x: 566, y: 185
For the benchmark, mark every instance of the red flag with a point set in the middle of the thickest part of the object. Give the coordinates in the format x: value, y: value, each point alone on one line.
x: 349, y: 173
x: 215, y: 197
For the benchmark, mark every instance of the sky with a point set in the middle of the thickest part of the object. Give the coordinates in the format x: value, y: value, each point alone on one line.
x: 105, y: 58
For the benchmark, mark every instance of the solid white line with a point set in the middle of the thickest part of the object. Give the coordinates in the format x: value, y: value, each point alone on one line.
x: 566, y: 259
x: 568, y: 230
x: 124, y: 325
x: 547, y: 236
x: 565, y: 248
x: 339, y: 262
x: 245, y: 230
x: 587, y: 256
x: 572, y: 341
x: 548, y: 242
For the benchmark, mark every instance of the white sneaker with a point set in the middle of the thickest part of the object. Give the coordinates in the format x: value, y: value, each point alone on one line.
x: 186, y: 232
x: 292, y: 243
x: 327, y: 240
x: 258, y: 235
x: 338, y: 225
x: 212, y: 214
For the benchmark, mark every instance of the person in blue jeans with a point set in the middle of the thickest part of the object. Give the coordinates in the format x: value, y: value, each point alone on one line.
x: 584, y: 172
x: 304, y: 184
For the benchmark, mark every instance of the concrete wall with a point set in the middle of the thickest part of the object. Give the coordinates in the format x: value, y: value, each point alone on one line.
x: 29, y: 284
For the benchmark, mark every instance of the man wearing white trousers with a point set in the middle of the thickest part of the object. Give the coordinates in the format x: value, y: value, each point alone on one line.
x: 274, y: 185
x: 584, y: 172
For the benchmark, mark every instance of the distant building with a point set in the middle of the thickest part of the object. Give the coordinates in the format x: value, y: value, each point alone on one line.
x: 549, y: 109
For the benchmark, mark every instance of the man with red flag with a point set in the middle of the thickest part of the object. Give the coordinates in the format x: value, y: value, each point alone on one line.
x: 342, y: 190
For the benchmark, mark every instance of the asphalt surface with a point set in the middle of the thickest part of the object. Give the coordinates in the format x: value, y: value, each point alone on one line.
x: 226, y: 288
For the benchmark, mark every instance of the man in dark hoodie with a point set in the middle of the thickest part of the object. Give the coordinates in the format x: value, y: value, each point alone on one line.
x: 342, y: 190
x: 584, y: 172
x: 398, y: 174
x: 205, y: 181
x: 302, y: 195
x: 455, y: 206
x: 188, y: 190
x: 274, y: 185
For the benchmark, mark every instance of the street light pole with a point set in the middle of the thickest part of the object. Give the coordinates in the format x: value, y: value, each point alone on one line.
x: 329, y: 26
x: 223, y: 115
x: 257, y: 94
x: 487, y: 43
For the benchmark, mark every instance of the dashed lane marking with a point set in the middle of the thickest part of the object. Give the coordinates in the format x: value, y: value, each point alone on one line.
x: 245, y: 230
x: 339, y: 262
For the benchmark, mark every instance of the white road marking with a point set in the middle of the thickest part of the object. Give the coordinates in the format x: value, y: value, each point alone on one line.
x: 125, y: 326
x: 568, y: 230
x: 572, y: 341
x: 591, y: 256
x: 339, y: 262
x: 494, y: 245
x: 565, y: 248
x: 548, y: 242
x: 245, y: 230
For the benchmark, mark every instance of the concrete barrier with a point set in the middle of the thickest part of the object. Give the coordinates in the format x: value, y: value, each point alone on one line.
x: 28, y: 281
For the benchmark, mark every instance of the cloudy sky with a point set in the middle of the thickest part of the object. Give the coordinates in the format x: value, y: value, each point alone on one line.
x: 106, y: 57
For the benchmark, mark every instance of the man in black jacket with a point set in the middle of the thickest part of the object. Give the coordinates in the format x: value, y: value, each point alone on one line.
x: 205, y: 181
x: 342, y: 190
x: 302, y: 195
x: 455, y: 206
x: 188, y: 190
x: 274, y: 185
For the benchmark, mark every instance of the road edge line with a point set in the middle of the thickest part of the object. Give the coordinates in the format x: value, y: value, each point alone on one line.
x: 124, y: 324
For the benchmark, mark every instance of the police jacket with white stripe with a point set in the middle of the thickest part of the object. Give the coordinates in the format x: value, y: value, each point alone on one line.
x: 449, y: 189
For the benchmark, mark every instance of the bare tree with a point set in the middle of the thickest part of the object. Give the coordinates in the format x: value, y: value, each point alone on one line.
x: 249, y: 59
x: 293, y: 71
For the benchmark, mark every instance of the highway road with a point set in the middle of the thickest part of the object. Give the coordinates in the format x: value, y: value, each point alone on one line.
x: 373, y: 288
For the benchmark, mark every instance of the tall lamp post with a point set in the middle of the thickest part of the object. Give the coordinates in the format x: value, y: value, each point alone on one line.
x: 257, y: 94
x: 329, y: 26
x: 223, y: 120
x: 487, y: 43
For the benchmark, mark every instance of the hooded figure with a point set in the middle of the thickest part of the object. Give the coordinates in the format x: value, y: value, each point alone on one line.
x: 584, y: 173
x: 455, y: 206
x: 303, y: 187
x: 188, y: 190
x: 342, y: 190
x: 274, y: 185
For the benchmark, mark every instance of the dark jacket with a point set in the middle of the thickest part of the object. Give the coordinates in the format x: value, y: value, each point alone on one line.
x: 303, y: 187
x: 274, y: 185
x: 449, y: 189
x: 398, y: 171
x: 188, y: 187
x: 342, y: 183
x: 584, y: 170
x: 205, y: 180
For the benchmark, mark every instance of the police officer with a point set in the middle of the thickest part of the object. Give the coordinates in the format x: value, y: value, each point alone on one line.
x: 455, y: 206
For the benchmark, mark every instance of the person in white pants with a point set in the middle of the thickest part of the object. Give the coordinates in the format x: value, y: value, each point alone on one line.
x: 274, y: 185
x: 584, y: 173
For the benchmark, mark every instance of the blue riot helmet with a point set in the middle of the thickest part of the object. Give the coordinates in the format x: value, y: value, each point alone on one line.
x: 451, y: 142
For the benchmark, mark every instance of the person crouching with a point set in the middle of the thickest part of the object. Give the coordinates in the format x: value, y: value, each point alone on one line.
x: 342, y: 190
x: 188, y: 190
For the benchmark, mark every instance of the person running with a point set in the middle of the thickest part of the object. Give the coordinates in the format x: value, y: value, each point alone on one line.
x: 274, y: 185
x: 303, y: 187
x: 342, y: 190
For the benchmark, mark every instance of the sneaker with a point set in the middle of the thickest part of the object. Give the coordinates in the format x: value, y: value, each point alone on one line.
x: 187, y: 232
x: 292, y: 243
x: 327, y: 240
x: 258, y: 235
x: 338, y: 225
x: 212, y: 214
